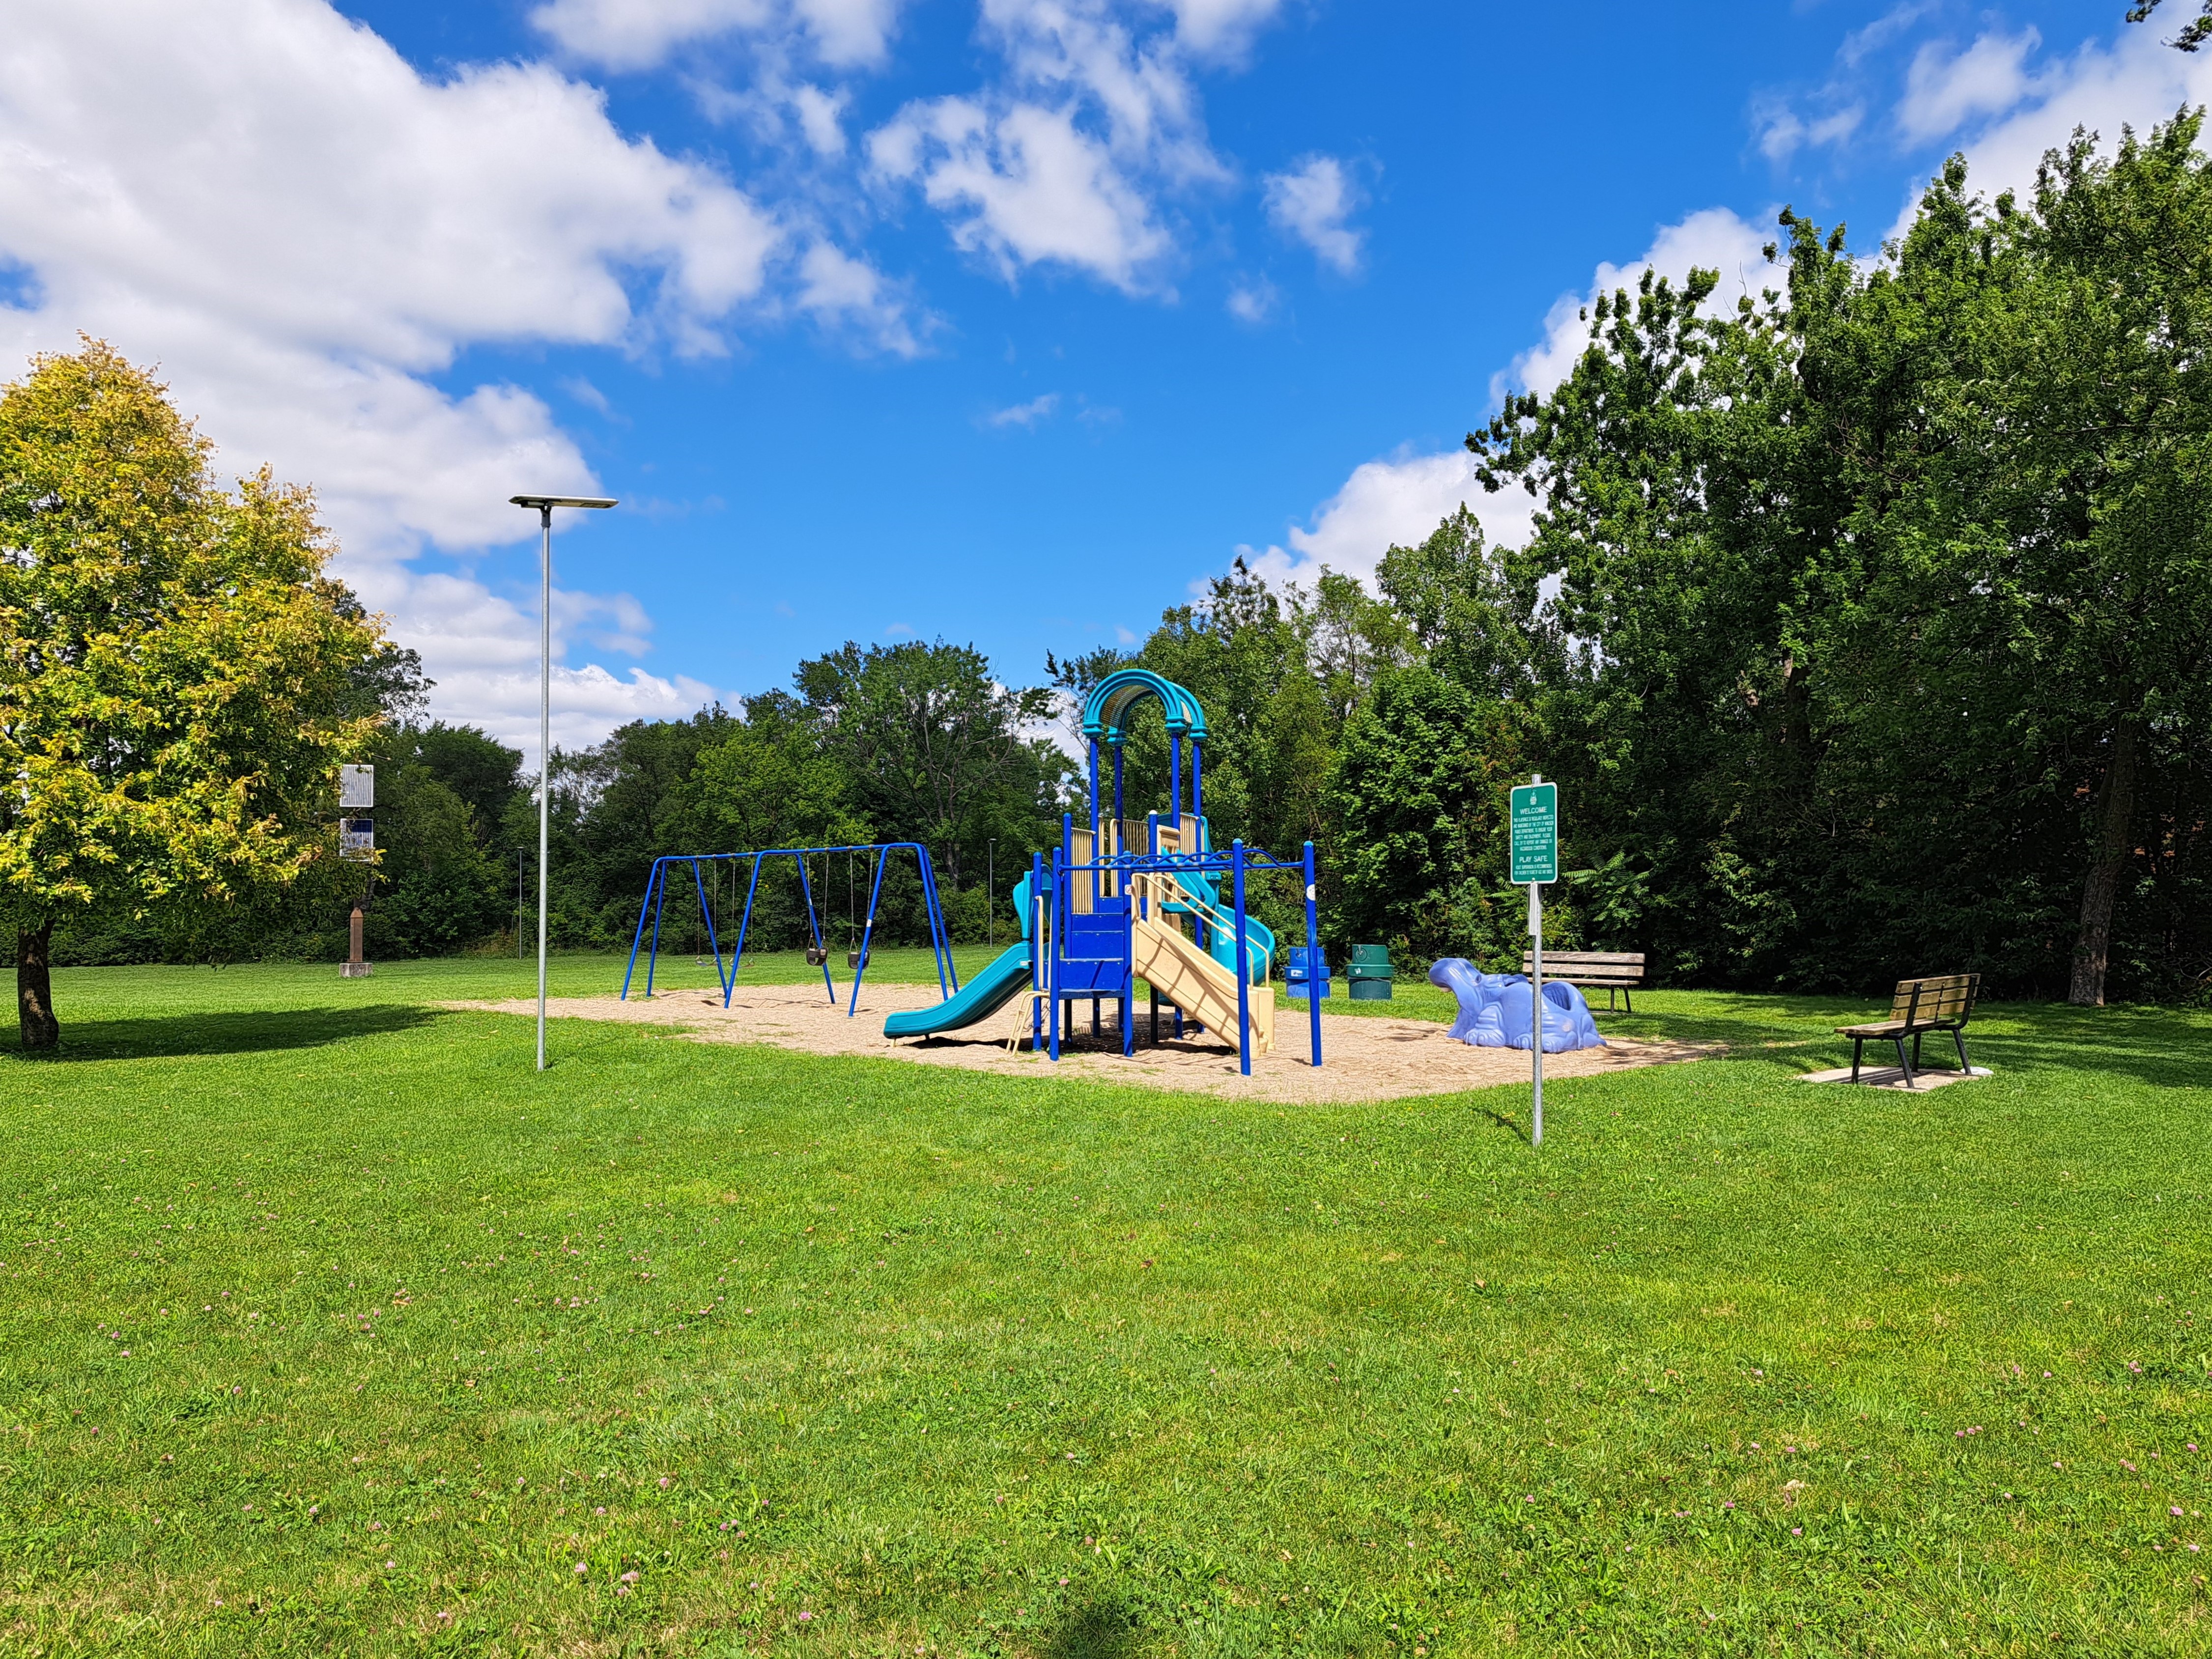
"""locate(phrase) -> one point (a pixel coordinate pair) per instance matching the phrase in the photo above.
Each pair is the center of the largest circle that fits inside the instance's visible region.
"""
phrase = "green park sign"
(1533, 816)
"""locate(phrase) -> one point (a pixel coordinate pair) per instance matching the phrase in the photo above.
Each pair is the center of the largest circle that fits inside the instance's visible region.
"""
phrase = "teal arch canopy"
(1106, 710)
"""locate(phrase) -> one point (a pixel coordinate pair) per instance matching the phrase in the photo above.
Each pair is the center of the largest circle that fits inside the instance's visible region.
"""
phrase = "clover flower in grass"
(803, 1617)
(581, 1569)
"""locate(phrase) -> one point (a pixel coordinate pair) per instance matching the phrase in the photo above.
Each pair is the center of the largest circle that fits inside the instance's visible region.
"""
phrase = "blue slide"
(979, 999)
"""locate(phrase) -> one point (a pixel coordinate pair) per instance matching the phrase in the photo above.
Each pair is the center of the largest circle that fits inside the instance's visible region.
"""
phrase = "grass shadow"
(1101, 1629)
(178, 1036)
(2162, 1047)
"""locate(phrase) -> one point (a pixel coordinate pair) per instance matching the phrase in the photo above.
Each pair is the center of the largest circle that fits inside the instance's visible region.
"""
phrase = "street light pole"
(545, 504)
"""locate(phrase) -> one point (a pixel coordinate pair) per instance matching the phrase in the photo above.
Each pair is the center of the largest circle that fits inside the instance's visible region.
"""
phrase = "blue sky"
(1002, 323)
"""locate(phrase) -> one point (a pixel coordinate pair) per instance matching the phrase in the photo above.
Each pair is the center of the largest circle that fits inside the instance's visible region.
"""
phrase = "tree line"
(1866, 626)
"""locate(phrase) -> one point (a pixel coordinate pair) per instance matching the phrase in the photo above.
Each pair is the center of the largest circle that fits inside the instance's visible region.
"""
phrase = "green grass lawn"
(327, 1326)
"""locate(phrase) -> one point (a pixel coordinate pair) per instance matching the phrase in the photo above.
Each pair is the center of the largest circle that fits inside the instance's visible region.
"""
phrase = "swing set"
(817, 954)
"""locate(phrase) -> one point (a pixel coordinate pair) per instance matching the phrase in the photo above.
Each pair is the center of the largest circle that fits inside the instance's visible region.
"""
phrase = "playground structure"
(1128, 899)
(1124, 899)
(656, 899)
(1499, 1010)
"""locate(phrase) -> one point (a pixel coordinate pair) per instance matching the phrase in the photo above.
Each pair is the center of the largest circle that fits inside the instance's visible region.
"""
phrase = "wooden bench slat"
(1627, 958)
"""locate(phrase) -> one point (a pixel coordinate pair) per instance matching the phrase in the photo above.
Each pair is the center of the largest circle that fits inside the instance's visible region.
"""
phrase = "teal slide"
(981, 997)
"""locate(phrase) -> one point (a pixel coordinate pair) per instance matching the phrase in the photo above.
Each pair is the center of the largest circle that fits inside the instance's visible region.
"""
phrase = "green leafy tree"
(2194, 34)
(1888, 604)
(1419, 797)
(933, 749)
(179, 679)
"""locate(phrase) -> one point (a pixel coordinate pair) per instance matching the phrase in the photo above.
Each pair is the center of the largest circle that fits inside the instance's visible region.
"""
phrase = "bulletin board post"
(357, 845)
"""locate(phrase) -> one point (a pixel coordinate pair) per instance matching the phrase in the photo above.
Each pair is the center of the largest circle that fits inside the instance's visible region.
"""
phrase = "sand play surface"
(1362, 1057)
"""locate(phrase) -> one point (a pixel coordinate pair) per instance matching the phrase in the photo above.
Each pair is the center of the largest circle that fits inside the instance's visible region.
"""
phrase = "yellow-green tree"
(179, 679)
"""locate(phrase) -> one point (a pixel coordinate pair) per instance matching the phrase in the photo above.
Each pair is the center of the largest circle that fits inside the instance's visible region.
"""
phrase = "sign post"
(356, 844)
(1533, 846)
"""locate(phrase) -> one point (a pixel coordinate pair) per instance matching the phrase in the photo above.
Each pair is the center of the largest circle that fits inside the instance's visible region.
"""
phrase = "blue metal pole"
(1117, 783)
(1175, 781)
(637, 938)
(938, 944)
(1197, 779)
(868, 932)
(1315, 966)
(660, 897)
(1243, 966)
(814, 929)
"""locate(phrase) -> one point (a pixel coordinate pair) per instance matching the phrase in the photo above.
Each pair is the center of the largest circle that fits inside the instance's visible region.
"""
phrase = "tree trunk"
(34, 988)
(2116, 805)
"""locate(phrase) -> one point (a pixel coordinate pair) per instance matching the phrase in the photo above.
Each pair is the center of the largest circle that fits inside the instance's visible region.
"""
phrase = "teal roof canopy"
(1106, 710)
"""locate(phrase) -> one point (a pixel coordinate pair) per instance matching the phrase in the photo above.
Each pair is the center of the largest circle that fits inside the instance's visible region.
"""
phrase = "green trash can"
(1369, 970)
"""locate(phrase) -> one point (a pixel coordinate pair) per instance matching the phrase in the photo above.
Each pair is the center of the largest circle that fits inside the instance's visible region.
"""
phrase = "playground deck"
(1364, 1058)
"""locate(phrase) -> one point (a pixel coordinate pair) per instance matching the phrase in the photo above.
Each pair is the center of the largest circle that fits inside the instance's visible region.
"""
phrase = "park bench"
(1920, 1006)
(1610, 971)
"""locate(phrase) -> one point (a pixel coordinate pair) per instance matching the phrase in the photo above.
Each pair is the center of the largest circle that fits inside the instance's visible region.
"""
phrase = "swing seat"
(816, 956)
(853, 959)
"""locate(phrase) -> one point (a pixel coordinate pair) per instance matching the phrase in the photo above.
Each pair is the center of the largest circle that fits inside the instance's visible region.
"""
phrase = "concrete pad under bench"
(1893, 1077)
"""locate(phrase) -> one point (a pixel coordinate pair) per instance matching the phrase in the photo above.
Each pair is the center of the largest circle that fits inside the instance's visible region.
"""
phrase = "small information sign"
(1532, 816)
(356, 787)
(357, 840)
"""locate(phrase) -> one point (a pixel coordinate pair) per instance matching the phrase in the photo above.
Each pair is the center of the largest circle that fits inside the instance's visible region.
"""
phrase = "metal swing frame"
(656, 899)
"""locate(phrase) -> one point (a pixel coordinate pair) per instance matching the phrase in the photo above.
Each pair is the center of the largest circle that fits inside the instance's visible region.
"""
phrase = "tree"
(179, 679)
(1418, 796)
(1891, 606)
(2194, 34)
(933, 749)
(448, 875)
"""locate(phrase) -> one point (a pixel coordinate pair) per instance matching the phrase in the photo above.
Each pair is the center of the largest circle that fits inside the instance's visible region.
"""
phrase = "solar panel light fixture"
(545, 504)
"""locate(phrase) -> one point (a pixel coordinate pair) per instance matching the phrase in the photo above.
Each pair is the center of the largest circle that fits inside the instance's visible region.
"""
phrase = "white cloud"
(1311, 203)
(821, 115)
(1782, 132)
(1255, 301)
(1394, 502)
(1220, 28)
(1943, 91)
(636, 35)
(1399, 500)
(2136, 81)
(1060, 162)
(269, 202)
(1712, 238)
(850, 296)
(1024, 187)
(1025, 414)
(1864, 41)
(586, 394)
